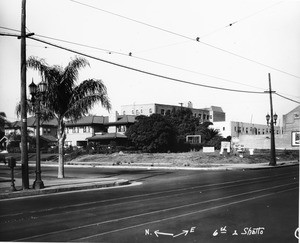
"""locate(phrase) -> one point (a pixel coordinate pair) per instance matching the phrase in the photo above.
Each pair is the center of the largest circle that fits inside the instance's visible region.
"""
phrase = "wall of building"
(80, 133)
(282, 141)
(149, 109)
(236, 129)
(291, 121)
(138, 109)
(218, 116)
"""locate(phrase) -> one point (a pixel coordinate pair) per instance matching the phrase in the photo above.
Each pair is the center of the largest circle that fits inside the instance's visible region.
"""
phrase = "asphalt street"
(163, 206)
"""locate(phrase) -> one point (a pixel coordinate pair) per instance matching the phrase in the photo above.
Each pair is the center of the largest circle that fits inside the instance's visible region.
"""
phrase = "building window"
(150, 111)
(73, 129)
(84, 129)
(68, 143)
(67, 130)
(132, 112)
(223, 128)
(210, 117)
(246, 129)
(141, 111)
(162, 111)
(199, 115)
(204, 116)
(235, 129)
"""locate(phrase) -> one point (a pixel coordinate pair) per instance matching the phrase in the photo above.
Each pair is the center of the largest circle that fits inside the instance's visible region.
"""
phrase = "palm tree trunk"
(61, 142)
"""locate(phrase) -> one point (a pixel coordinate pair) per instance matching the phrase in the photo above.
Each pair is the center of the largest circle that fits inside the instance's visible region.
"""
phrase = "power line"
(287, 98)
(146, 72)
(241, 19)
(144, 59)
(143, 71)
(148, 60)
(197, 39)
(211, 76)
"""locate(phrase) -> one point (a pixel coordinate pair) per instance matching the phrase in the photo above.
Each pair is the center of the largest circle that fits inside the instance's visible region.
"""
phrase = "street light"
(37, 93)
(271, 120)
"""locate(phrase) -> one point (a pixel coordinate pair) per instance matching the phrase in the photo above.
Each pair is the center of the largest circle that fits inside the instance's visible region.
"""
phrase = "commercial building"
(257, 136)
(212, 113)
(237, 129)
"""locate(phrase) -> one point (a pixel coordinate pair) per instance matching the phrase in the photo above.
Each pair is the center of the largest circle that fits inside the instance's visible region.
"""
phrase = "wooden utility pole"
(273, 150)
(24, 150)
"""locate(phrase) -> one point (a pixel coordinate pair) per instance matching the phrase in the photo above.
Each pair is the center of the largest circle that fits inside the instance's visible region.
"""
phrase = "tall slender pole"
(38, 183)
(273, 151)
(24, 151)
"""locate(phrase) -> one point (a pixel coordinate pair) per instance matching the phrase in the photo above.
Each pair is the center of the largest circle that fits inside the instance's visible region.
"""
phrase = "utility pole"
(24, 150)
(273, 150)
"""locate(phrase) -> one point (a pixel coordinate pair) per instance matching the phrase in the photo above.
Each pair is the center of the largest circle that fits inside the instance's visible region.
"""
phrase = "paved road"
(169, 206)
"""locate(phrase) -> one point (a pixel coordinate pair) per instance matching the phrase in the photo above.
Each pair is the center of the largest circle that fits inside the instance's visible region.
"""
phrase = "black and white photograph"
(149, 121)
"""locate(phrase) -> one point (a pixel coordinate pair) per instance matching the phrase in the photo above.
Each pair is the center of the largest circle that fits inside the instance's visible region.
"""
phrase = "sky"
(240, 43)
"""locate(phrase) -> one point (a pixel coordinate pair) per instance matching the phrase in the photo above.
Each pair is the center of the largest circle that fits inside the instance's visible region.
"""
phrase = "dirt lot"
(193, 159)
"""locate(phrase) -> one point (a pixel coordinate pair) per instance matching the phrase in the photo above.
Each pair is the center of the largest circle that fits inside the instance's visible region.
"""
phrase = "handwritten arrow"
(184, 232)
(156, 232)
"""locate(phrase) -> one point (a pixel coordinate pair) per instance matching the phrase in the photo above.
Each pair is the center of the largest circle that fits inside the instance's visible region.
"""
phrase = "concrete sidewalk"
(55, 185)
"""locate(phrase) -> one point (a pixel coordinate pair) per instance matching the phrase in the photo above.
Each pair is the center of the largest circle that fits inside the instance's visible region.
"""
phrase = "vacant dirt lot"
(193, 159)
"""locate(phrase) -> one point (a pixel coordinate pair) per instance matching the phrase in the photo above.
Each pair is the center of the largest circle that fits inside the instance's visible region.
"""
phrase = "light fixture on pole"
(37, 93)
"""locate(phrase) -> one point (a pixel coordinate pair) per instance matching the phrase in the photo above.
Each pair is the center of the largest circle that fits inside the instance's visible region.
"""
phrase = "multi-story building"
(236, 129)
(77, 132)
(291, 120)
(212, 114)
(291, 126)
(48, 132)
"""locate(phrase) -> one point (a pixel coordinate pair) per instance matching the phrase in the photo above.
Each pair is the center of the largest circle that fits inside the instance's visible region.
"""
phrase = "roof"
(31, 122)
(106, 136)
(123, 120)
(215, 108)
(48, 138)
(89, 120)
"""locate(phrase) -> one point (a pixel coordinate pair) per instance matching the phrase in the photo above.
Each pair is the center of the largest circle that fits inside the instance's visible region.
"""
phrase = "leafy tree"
(65, 99)
(3, 121)
(152, 134)
(184, 121)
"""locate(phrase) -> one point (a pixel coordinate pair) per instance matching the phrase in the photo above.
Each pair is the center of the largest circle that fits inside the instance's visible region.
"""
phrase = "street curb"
(217, 167)
(57, 189)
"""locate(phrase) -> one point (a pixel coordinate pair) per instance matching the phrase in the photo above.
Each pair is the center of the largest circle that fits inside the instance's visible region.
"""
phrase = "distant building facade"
(257, 136)
(291, 120)
(205, 114)
(236, 129)
(77, 132)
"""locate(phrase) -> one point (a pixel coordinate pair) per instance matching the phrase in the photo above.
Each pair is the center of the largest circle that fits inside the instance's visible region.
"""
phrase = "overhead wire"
(144, 59)
(241, 19)
(197, 39)
(143, 71)
(287, 98)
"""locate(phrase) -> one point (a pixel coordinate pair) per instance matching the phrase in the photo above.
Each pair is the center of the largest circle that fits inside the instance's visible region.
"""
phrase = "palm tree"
(64, 99)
